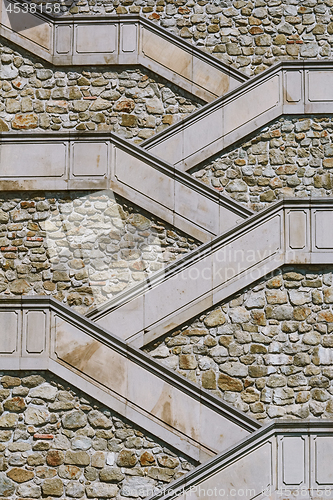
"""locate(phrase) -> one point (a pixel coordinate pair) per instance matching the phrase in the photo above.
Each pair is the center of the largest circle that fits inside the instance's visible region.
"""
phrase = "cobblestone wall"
(250, 35)
(81, 248)
(57, 442)
(133, 103)
(268, 351)
(292, 157)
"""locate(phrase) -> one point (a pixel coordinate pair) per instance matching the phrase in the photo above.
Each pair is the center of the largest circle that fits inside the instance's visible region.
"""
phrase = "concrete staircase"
(100, 353)
(122, 40)
(277, 236)
(77, 161)
(283, 460)
(288, 88)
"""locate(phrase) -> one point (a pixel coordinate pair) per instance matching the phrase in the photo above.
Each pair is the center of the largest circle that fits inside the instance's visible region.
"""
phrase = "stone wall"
(81, 248)
(133, 103)
(56, 442)
(292, 157)
(268, 351)
(250, 35)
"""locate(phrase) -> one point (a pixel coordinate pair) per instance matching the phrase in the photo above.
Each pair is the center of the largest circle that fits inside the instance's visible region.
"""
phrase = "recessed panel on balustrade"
(9, 334)
(64, 39)
(323, 234)
(129, 37)
(320, 85)
(323, 469)
(35, 324)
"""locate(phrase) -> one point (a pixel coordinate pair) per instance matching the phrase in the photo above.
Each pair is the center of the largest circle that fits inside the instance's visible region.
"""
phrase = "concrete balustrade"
(42, 334)
(119, 40)
(289, 88)
(104, 161)
(289, 232)
(286, 459)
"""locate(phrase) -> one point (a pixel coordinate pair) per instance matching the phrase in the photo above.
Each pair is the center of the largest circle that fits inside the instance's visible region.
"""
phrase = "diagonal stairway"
(288, 88)
(285, 459)
(279, 235)
(85, 161)
(122, 40)
(42, 334)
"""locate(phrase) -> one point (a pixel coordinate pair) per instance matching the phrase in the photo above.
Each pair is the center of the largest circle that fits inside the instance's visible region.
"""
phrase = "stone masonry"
(81, 248)
(132, 102)
(56, 442)
(268, 350)
(292, 157)
(250, 35)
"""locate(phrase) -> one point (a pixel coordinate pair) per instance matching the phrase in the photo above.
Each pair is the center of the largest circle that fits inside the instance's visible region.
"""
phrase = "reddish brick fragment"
(43, 436)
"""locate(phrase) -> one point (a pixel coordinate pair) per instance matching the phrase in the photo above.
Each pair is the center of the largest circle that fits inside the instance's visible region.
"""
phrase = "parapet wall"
(249, 35)
(55, 441)
(268, 350)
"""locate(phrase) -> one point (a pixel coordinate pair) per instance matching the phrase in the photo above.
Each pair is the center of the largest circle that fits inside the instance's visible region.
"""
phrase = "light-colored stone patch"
(293, 157)
(250, 35)
(81, 248)
(131, 102)
(80, 449)
(268, 351)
